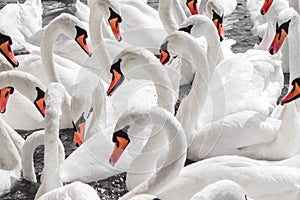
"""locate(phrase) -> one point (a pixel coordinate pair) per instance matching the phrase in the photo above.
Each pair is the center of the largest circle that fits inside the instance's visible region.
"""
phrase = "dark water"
(114, 187)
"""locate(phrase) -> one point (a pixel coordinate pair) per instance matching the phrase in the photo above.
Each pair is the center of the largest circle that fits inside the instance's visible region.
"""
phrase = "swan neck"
(294, 52)
(166, 15)
(47, 45)
(95, 24)
(214, 50)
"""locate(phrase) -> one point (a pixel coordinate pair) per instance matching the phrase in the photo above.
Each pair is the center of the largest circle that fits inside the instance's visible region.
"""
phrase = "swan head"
(130, 59)
(117, 77)
(215, 11)
(4, 96)
(199, 25)
(72, 27)
(293, 94)
(6, 50)
(111, 12)
(120, 140)
(286, 19)
(193, 6)
(79, 128)
(265, 7)
(134, 117)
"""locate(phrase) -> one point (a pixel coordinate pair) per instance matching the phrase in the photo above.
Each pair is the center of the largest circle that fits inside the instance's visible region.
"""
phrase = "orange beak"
(220, 28)
(81, 40)
(118, 150)
(277, 41)
(5, 49)
(192, 5)
(115, 27)
(4, 96)
(79, 129)
(292, 95)
(267, 4)
(116, 81)
(164, 56)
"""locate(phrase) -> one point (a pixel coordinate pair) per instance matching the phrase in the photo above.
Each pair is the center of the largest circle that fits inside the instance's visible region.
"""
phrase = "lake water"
(114, 187)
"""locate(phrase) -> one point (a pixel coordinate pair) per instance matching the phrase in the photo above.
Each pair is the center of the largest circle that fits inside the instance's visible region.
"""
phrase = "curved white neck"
(192, 106)
(167, 9)
(47, 45)
(51, 173)
(174, 160)
(95, 25)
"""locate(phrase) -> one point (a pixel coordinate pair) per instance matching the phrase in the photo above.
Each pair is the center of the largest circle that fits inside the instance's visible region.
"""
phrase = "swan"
(64, 70)
(175, 182)
(213, 132)
(287, 29)
(20, 21)
(54, 98)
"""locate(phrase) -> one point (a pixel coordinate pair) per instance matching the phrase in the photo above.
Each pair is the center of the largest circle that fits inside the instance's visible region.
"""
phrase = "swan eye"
(187, 29)
(120, 138)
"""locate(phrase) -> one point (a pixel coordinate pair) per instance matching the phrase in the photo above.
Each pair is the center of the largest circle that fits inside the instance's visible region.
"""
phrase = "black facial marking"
(194, 4)
(121, 133)
(186, 29)
(284, 26)
(40, 95)
(217, 16)
(113, 15)
(5, 38)
(80, 32)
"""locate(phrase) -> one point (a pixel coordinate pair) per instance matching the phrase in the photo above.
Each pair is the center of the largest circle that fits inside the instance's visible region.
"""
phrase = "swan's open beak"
(293, 94)
(192, 5)
(267, 4)
(81, 40)
(121, 140)
(5, 49)
(281, 34)
(40, 101)
(114, 22)
(4, 96)
(79, 128)
(218, 21)
(117, 78)
(164, 56)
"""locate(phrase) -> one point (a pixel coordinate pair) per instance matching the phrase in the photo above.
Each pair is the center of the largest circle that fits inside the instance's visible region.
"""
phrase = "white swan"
(214, 131)
(287, 28)
(54, 98)
(42, 65)
(20, 21)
